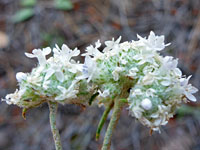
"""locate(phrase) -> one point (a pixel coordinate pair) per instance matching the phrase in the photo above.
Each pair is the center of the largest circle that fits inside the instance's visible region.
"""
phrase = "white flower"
(112, 45)
(35, 77)
(40, 55)
(177, 72)
(14, 98)
(65, 54)
(104, 94)
(150, 92)
(133, 72)
(54, 69)
(148, 79)
(169, 63)
(123, 61)
(144, 57)
(154, 42)
(136, 111)
(136, 92)
(184, 81)
(125, 46)
(46, 84)
(148, 68)
(88, 69)
(93, 51)
(74, 68)
(20, 76)
(67, 93)
(116, 72)
(188, 89)
(146, 104)
(166, 82)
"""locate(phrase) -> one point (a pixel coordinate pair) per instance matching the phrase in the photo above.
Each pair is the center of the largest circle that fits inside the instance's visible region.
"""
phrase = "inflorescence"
(152, 84)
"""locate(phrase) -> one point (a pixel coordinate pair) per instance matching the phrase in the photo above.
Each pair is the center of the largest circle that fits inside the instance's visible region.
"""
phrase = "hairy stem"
(113, 122)
(52, 117)
(103, 119)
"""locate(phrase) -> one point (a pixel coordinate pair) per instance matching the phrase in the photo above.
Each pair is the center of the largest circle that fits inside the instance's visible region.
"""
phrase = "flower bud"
(146, 104)
(21, 76)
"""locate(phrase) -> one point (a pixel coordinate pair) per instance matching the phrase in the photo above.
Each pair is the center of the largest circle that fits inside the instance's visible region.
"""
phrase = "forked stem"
(118, 104)
(52, 117)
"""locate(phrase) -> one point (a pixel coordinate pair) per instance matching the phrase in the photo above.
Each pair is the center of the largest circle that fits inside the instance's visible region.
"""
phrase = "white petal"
(73, 70)
(148, 79)
(30, 55)
(46, 51)
(188, 78)
(55, 51)
(184, 81)
(138, 92)
(155, 115)
(62, 89)
(192, 89)
(119, 39)
(104, 94)
(79, 67)
(37, 52)
(166, 83)
(190, 96)
(115, 75)
(57, 47)
(88, 61)
(81, 77)
(142, 62)
(97, 44)
(164, 123)
(60, 76)
(21, 76)
(160, 40)
(90, 77)
(178, 72)
(157, 122)
(49, 73)
(167, 44)
(65, 48)
(75, 52)
(139, 37)
(152, 38)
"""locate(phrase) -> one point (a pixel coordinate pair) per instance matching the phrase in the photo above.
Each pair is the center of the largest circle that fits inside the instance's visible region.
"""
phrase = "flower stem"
(103, 119)
(113, 122)
(52, 117)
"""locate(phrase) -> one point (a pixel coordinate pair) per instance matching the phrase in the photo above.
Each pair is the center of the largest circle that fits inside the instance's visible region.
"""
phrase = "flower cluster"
(152, 84)
(54, 79)
(160, 86)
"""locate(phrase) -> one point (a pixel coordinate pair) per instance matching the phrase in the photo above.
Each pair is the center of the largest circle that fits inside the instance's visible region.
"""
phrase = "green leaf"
(63, 4)
(23, 15)
(28, 3)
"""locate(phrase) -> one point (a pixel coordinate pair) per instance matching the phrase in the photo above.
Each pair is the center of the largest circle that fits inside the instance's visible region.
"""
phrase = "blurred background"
(29, 24)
